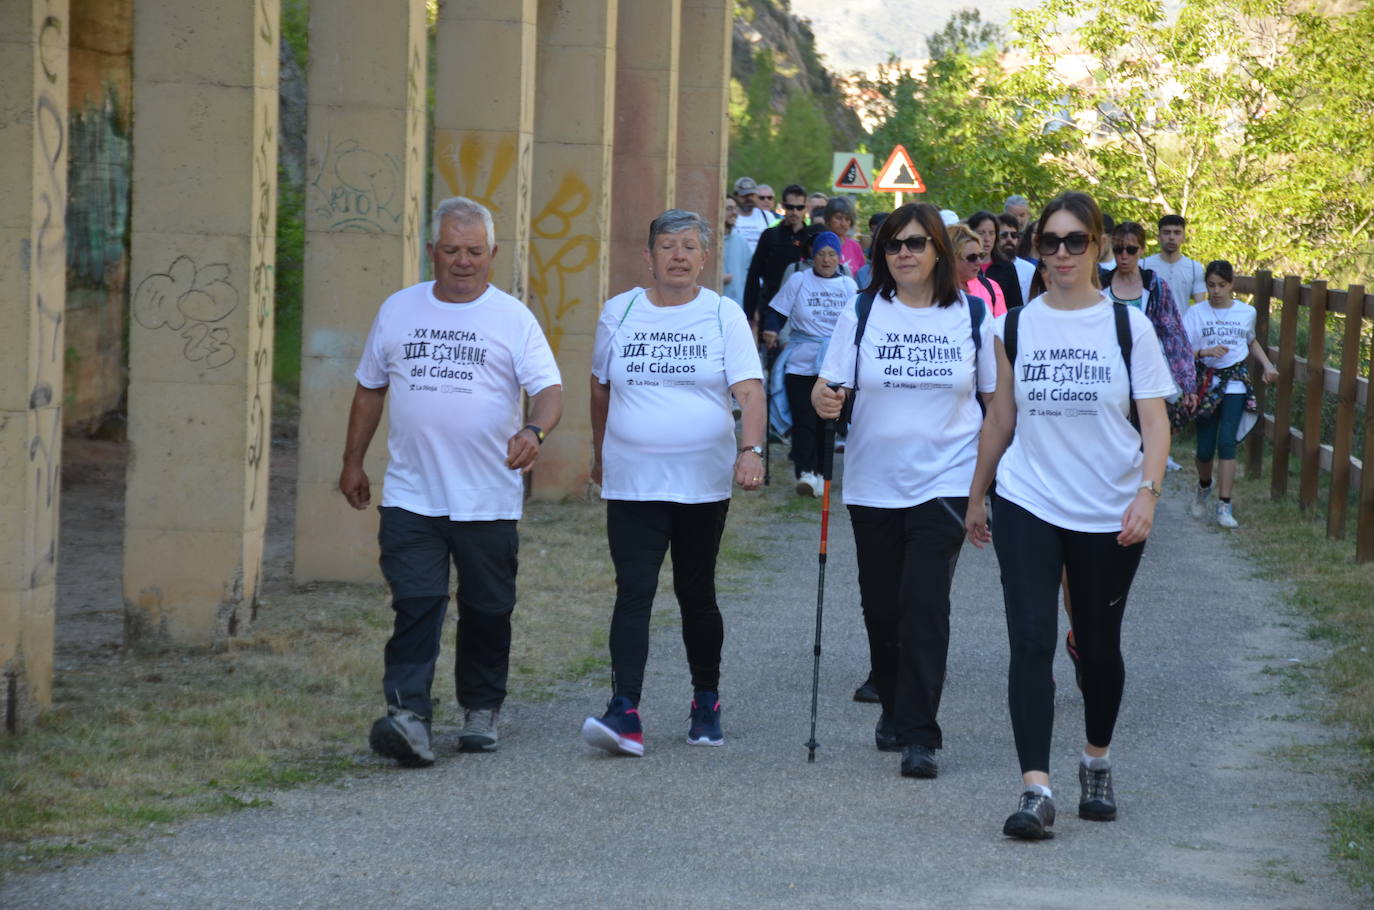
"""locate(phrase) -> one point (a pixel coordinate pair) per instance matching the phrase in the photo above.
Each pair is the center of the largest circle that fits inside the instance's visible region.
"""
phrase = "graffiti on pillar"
(357, 189)
(43, 459)
(481, 168)
(49, 244)
(98, 203)
(415, 119)
(560, 251)
(263, 289)
(190, 300)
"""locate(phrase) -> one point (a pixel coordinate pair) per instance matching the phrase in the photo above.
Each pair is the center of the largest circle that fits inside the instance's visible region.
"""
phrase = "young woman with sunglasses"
(909, 458)
(1075, 491)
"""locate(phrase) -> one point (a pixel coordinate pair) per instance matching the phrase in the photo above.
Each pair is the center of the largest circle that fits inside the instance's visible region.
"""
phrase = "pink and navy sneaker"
(618, 731)
(705, 729)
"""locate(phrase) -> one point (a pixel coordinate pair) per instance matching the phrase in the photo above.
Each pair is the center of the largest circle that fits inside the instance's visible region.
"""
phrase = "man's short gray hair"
(839, 205)
(465, 211)
(1018, 199)
(675, 220)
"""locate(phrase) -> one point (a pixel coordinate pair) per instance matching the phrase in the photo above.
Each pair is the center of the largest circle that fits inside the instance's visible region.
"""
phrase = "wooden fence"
(1352, 398)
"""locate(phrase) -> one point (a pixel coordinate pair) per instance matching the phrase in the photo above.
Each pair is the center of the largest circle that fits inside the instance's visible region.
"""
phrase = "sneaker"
(817, 484)
(1172, 465)
(479, 730)
(404, 736)
(804, 487)
(705, 728)
(618, 731)
(867, 692)
(1032, 820)
(919, 761)
(1224, 516)
(1097, 801)
(1071, 649)
(1199, 506)
(885, 734)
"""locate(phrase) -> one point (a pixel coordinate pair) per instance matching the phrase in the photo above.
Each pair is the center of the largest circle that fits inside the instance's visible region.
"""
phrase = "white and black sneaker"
(1032, 820)
(1096, 801)
(404, 736)
(479, 730)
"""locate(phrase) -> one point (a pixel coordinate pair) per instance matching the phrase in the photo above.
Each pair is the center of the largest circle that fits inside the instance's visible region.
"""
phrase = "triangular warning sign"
(899, 174)
(852, 177)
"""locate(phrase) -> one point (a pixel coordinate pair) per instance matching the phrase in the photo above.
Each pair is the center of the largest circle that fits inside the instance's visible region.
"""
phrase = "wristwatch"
(757, 450)
(1151, 486)
(538, 433)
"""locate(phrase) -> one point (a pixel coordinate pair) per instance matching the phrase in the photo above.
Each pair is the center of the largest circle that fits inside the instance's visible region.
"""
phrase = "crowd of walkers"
(992, 372)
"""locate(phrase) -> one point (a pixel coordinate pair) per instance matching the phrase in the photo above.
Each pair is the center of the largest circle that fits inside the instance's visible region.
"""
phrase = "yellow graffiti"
(470, 168)
(551, 276)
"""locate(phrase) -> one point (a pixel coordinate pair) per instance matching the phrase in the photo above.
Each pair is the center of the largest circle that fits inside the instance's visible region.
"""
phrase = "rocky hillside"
(771, 25)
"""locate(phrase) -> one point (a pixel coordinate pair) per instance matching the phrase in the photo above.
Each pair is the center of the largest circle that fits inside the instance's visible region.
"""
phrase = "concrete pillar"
(364, 234)
(569, 256)
(484, 120)
(200, 337)
(703, 132)
(644, 173)
(33, 262)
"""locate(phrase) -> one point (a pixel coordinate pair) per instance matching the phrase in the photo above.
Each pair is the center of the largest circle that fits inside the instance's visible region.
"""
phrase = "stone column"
(703, 132)
(200, 336)
(484, 120)
(569, 256)
(365, 231)
(33, 263)
(646, 94)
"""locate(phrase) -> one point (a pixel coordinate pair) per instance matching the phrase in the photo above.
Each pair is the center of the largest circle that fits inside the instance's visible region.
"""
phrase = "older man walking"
(454, 354)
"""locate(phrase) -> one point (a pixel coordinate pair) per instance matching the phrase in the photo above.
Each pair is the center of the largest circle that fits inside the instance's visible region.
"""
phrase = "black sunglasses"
(761, 196)
(794, 208)
(972, 258)
(916, 244)
(1076, 243)
(1130, 250)
(1008, 235)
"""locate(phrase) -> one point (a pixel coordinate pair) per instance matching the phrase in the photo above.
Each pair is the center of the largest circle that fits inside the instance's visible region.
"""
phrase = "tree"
(792, 148)
(964, 33)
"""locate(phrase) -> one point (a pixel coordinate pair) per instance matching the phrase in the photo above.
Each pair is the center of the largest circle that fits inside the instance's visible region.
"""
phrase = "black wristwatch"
(538, 433)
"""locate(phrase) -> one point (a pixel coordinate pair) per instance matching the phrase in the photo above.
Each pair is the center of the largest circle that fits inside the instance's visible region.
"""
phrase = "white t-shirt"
(1025, 271)
(1234, 327)
(1185, 278)
(1075, 458)
(811, 304)
(914, 431)
(454, 372)
(752, 225)
(670, 435)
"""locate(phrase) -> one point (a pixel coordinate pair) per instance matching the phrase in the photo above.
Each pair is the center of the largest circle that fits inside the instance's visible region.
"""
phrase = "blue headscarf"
(825, 239)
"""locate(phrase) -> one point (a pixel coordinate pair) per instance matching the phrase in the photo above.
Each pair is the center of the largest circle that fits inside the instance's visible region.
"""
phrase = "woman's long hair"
(946, 285)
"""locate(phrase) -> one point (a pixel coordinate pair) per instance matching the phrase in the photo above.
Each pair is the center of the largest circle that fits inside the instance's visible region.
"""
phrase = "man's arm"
(546, 409)
(601, 406)
(363, 416)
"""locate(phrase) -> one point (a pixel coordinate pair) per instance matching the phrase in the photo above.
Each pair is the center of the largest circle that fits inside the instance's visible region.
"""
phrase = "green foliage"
(964, 33)
(777, 150)
(290, 285)
(295, 29)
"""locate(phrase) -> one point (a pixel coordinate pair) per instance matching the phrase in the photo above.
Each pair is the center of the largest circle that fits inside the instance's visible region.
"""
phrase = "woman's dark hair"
(1130, 229)
(978, 218)
(928, 217)
(1084, 208)
(1222, 269)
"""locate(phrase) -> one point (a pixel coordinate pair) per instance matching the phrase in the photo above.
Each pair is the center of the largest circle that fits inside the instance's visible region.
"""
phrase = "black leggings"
(1033, 554)
(640, 534)
(808, 430)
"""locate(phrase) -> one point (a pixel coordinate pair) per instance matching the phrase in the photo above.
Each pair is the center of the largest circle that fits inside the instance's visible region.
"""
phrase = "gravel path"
(1208, 818)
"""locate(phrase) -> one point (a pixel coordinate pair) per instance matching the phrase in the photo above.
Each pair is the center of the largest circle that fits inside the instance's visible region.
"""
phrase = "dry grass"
(135, 744)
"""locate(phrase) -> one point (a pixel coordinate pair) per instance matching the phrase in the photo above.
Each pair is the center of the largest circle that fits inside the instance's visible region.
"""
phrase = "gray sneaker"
(1199, 506)
(1032, 820)
(1224, 516)
(479, 730)
(1097, 801)
(404, 736)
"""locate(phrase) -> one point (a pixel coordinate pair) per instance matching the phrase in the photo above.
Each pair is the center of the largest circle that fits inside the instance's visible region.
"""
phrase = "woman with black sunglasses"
(1076, 490)
(913, 441)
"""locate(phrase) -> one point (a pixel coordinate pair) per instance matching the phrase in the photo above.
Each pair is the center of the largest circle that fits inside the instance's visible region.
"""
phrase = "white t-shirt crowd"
(811, 304)
(1233, 326)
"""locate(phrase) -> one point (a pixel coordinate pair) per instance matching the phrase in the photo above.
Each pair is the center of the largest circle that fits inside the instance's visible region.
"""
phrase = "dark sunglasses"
(794, 208)
(1076, 243)
(1008, 235)
(916, 244)
(1128, 250)
(769, 198)
(972, 258)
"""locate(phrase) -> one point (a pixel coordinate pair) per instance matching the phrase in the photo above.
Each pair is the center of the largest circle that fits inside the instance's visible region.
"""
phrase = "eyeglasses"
(972, 258)
(1008, 235)
(1130, 250)
(793, 208)
(765, 198)
(1076, 243)
(916, 244)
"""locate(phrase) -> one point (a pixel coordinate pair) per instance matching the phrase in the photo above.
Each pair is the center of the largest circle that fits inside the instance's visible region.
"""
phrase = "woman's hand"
(770, 340)
(749, 470)
(976, 523)
(595, 473)
(828, 402)
(1138, 519)
(1271, 374)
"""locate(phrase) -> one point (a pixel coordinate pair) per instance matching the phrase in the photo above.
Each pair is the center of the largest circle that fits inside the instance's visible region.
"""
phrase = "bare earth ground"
(1222, 770)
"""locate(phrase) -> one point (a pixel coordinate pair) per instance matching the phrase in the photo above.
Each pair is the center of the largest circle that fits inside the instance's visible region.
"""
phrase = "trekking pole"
(827, 469)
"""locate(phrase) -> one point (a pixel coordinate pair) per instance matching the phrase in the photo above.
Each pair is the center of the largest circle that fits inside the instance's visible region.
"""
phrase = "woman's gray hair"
(839, 205)
(675, 220)
(465, 211)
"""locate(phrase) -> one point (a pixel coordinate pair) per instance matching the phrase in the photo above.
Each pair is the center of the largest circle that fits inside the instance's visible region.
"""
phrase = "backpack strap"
(1009, 335)
(625, 315)
(977, 309)
(1124, 341)
(863, 305)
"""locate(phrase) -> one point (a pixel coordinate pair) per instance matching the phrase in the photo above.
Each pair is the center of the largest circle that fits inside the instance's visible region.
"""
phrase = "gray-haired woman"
(667, 360)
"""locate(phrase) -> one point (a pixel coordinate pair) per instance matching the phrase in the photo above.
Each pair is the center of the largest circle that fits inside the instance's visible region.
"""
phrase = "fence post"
(1364, 522)
(1264, 290)
(1283, 405)
(1345, 413)
(1312, 399)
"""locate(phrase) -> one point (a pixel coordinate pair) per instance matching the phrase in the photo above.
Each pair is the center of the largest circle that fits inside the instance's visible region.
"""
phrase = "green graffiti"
(98, 176)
